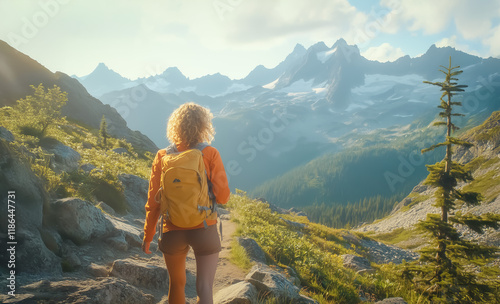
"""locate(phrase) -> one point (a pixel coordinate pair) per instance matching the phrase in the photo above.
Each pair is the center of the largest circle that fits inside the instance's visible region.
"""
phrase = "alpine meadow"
(363, 169)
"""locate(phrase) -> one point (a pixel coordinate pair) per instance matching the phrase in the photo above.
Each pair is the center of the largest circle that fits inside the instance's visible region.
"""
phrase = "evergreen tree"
(441, 268)
(103, 132)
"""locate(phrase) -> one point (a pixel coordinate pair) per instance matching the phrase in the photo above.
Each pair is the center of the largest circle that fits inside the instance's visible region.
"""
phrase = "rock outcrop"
(271, 283)
(63, 158)
(79, 220)
(239, 293)
(356, 263)
(6, 134)
(253, 250)
(141, 274)
(98, 291)
(135, 192)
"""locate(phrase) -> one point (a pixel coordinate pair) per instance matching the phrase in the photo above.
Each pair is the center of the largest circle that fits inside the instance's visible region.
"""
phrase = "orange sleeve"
(217, 174)
(152, 207)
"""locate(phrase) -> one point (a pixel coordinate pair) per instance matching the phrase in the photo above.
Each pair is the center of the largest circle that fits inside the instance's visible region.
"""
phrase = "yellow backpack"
(185, 193)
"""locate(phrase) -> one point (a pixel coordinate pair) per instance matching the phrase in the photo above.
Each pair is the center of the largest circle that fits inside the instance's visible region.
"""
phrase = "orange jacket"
(216, 174)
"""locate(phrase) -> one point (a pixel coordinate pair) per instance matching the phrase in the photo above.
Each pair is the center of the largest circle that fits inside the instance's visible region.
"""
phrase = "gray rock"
(271, 283)
(133, 233)
(392, 301)
(97, 270)
(253, 250)
(69, 255)
(29, 193)
(139, 273)
(239, 293)
(106, 208)
(135, 192)
(118, 242)
(98, 291)
(381, 253)
(65, 158)
(357, 263)
(79, 220)
(6, 134)
(296, 225)
(87, 168)
(52, 240)
(33, 255)
(297, 212)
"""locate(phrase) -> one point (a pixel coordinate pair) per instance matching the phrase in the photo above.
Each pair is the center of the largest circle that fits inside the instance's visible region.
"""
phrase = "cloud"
(493, 41)
(473, 19)
(267, 21)
(384, 52)
(452, 41)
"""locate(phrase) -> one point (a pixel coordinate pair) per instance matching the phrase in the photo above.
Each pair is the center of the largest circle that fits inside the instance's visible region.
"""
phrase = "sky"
(231, 37)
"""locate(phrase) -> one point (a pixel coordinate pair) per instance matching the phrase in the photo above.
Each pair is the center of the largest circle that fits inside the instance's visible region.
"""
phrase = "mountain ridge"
(18, 71)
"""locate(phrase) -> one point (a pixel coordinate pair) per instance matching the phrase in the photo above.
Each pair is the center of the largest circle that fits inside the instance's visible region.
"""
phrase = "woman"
(188, 126)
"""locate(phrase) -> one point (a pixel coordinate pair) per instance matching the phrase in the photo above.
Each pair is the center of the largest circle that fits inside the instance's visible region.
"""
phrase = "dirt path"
(227, 273)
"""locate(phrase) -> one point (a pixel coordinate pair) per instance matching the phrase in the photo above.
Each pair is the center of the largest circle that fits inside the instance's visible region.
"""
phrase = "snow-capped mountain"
(317, 100)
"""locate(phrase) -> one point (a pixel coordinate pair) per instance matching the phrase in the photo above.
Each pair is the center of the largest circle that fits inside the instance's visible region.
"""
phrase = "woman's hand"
(145, 247)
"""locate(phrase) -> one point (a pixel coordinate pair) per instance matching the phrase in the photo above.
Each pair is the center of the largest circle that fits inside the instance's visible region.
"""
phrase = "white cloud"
(473, 19)
(384, 52)
(493, 41)
(452, 41)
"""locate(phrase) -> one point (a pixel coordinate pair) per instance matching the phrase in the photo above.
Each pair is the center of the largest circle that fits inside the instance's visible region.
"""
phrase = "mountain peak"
(299, 48)
(102, 67)
(319, 46)
(339, 42)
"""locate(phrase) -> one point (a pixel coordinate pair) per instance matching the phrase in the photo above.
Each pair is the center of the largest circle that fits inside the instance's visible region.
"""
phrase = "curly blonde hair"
(190, 124)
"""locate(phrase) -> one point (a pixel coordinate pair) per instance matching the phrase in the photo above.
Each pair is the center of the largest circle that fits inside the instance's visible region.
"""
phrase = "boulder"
(132, 232)
(239, 293)
(118, 242)
(64, 158)
(253, 250)
(356, 263)
(392, 301)
(106, 208)
(98, 291)
(29, 193)
(6, 134)
(135, 192)
(97, 270)
(140, 273)
(271, 283)
(294, 224)
(87, 168)
(69, 254)
(33, 256)
(79, 220)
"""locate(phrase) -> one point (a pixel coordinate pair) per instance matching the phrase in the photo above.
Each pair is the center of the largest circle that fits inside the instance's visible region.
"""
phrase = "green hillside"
(100, 183)
(388, 169)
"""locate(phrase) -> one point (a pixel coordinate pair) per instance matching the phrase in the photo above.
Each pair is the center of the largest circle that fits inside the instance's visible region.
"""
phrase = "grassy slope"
(314, 252)
(101, 184)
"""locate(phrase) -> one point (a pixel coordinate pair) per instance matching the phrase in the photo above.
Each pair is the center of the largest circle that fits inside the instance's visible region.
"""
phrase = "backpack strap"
(171, 149)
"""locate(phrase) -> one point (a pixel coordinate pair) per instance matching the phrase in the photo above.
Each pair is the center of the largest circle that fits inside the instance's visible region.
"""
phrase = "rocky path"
(227, 273)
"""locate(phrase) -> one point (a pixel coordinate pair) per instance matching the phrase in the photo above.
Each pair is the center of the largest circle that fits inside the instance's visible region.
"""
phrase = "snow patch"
(324, 56)
(271, 85)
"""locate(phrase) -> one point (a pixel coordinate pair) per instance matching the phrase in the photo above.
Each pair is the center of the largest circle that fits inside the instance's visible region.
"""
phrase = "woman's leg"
(206, 265)
(176, 266)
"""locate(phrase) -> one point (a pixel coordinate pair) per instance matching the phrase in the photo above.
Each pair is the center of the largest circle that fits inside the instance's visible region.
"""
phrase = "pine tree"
(441, 267)
(103, 132)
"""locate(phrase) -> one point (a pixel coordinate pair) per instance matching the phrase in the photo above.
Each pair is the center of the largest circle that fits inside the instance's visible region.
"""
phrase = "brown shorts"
(203, 241)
